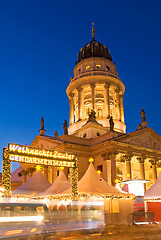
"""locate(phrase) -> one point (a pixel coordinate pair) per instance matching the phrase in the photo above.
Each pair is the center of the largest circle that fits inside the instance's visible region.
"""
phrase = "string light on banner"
(25, 150)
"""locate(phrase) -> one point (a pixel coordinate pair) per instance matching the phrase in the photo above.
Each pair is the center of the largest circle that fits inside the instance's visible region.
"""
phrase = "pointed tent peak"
(61, 177)
(154, 192)
(93, 31)
(36, 184)
(37, 177)
(92, 182)
(60, 185)
(15, 177)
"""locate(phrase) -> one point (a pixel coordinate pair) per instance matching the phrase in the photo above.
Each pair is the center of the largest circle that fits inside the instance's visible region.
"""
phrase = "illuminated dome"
(94, 49)
(95, 88)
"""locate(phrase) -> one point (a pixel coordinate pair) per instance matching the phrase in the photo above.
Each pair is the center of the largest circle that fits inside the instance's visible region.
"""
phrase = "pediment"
(45, 143)
(143, 138)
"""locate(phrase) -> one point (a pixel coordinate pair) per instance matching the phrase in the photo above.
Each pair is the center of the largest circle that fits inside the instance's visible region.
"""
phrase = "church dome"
(94, 49)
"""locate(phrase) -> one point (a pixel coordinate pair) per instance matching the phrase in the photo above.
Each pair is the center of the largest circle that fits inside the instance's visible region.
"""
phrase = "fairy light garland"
(6, 175)
(74, 177)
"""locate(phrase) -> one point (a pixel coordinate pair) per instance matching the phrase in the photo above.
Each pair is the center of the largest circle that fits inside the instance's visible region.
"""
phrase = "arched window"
(99, 112)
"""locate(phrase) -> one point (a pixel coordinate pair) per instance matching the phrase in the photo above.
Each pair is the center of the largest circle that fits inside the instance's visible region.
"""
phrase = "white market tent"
(14, 175)
(35, 185)
(119, 188)
(60, 185)
(92, 183)
(155, 191)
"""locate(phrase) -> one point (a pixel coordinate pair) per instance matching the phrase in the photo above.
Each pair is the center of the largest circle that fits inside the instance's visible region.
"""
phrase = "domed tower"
(95, 86)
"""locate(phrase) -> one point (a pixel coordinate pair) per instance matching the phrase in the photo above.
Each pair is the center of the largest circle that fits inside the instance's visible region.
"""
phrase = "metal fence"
(141, 217)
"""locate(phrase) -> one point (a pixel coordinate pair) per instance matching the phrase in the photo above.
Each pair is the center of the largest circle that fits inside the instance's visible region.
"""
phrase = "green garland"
(74, 177)
(6, 174)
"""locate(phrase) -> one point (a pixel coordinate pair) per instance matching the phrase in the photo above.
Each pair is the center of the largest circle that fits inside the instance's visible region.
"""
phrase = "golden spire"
(93, 32)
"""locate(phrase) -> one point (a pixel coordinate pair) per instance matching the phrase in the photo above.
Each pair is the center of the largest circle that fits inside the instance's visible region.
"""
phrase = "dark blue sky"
(39, 43)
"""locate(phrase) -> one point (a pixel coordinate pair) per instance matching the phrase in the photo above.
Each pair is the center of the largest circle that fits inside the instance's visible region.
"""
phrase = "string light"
(38, 167)
(91, 159)
(116, 181)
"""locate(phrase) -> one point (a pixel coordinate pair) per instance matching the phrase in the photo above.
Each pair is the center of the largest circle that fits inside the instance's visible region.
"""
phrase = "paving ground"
(134, 232)
(110, 232)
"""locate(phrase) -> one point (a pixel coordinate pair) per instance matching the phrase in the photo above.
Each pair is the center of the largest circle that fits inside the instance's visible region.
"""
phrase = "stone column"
(121, 108)
(112, 156)
(24, 174)
(142, 171)
(154, 170)
(50, 174)
(79, 103)
(107, 168)
(118, 103)
(71, 101)
(107, 86)
(54, 177)
(127, 159)
(92, 85)
(46, 172)
(30, 172)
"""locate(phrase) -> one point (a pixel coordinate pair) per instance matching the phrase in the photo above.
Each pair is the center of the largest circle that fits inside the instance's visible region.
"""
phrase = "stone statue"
(143, 115)
(55, 134)
(42, 123)
(139, 127)
(92, 114)
(65, 127)
(111, 123)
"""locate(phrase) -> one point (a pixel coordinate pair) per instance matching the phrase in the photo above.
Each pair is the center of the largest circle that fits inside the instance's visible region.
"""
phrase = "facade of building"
(96, 124)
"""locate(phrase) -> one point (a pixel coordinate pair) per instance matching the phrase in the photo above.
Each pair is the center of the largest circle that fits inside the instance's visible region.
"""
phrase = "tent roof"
(92, 183)
(36, 184)
(14, 175)
(60, 185)
(155, 191)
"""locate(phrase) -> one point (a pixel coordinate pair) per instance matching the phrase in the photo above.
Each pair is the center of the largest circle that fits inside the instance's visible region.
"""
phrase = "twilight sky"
(39, 43)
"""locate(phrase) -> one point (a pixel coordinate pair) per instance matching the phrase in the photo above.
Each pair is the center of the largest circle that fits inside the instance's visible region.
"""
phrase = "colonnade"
(49, 172)
(77, 98)
(111, 162)
(28, 172)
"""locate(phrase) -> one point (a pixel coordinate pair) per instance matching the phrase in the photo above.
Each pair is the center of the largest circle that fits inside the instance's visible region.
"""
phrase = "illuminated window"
(98, 66)
(100, 167)
(84, 135)
(87, 67)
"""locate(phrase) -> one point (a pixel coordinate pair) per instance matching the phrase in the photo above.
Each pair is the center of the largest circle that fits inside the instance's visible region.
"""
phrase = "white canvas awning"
(35, 185)
(14, 175)
(92, 183)
(60, 185)
(155, 191)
